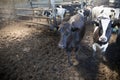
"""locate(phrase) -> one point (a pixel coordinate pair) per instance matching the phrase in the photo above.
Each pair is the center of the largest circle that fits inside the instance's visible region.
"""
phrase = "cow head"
(104, 23)
(65, 32)
(109, 12)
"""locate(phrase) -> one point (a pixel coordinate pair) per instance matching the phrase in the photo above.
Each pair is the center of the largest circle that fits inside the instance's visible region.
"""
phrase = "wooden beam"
(32, 22)
(41, 23)
(34, 9)
(43, 17)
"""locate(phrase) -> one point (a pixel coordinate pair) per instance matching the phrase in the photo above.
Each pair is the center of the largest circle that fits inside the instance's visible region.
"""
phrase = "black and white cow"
(62, 10)
(42, 12)
(59, 11)
(103, 18)
(102, 33)
(86, 12)
(72, 33)
(47, 13)
(72, 8)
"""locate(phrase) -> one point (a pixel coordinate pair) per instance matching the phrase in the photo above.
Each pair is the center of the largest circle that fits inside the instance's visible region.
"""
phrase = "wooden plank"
(41, 23)
(24, 15)
(36, 3)
(34, 9)
(32, 22)
(33, 16)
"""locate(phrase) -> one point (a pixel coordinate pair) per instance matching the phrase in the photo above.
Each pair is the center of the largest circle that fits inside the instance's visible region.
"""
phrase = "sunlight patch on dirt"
(16, 32)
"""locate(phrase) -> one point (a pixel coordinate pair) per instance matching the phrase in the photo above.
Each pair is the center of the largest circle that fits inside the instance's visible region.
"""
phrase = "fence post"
(54, 14)
(13, 9)
(31, 6)
(49, 3)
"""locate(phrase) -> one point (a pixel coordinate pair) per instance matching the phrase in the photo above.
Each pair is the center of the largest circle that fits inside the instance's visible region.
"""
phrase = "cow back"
(77, 21)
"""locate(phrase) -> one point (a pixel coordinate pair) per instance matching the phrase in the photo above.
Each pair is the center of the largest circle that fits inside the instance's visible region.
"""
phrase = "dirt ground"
(32, 53)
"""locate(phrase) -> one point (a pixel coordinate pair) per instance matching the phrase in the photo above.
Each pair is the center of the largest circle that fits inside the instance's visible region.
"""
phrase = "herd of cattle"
(105, 19)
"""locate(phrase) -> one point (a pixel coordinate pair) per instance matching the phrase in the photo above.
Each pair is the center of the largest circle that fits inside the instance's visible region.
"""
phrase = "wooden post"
(31, 5)
(53, 7)
(54, 14)
(92, 3)
(14, 11)
(81, 4)
(49, 3)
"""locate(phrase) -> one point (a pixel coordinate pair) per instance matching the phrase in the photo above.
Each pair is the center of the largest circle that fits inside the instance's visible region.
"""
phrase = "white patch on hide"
(102, 48)
(105, 23)
(95, 29)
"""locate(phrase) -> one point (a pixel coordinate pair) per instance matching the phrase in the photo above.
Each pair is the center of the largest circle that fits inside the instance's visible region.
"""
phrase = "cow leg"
(69, 58)
(77, 56)
(77, 52)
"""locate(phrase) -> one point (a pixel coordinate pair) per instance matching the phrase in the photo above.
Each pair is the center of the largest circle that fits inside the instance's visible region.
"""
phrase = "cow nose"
(103, 39)
(61, 46)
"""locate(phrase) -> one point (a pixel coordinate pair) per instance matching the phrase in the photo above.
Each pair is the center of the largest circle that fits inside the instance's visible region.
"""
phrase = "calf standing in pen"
(104, 21)
(72, 33)
(102, 34)
(59, 11)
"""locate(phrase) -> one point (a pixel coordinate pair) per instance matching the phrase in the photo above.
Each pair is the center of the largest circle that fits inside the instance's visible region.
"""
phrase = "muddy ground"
(32, 53)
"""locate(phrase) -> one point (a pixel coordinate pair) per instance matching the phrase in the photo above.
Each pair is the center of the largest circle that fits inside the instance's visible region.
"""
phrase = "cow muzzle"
(103, 39)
